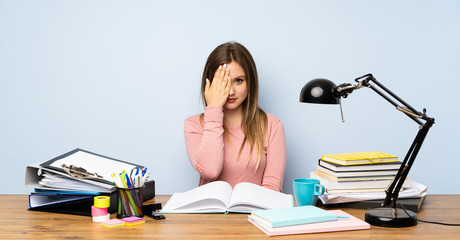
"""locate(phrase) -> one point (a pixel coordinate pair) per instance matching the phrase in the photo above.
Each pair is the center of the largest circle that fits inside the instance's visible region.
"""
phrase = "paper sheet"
(94, 164)
(415, 191)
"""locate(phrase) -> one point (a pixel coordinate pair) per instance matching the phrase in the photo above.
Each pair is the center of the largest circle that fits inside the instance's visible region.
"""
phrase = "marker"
(128, 181)
(123, 180)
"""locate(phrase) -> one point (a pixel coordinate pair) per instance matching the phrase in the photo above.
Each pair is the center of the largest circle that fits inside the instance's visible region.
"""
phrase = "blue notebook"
(292, 216)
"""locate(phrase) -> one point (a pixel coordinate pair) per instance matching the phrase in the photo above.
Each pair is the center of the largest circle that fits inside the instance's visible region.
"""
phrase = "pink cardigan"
(214, 158)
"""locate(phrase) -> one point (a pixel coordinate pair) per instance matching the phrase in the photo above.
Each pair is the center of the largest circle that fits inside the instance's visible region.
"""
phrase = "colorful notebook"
(292, 216)
(345, 222)
(360, 158)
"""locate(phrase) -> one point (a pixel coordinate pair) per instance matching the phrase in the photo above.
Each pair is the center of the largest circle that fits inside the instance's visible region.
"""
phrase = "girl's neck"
(233, 116)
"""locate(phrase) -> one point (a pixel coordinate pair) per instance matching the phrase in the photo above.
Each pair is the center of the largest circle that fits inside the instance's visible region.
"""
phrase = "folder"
(81, 204)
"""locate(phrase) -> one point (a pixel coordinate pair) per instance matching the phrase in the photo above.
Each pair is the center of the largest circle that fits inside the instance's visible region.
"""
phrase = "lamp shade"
(319, 90)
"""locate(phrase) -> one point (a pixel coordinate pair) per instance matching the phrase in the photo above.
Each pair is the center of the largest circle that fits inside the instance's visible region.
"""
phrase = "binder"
(82, 206)
(91, 162)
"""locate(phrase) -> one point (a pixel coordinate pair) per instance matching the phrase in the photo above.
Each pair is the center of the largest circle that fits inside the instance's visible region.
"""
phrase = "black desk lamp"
(326, 92)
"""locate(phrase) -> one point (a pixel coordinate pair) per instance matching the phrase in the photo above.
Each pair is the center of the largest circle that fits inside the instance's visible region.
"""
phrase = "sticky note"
(113, 223)
(130, 221)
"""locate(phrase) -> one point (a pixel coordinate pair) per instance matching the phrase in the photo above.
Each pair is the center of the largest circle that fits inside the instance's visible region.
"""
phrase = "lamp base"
(391, 217)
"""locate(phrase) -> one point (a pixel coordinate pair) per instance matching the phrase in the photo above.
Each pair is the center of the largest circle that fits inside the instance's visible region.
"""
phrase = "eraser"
(113, 223)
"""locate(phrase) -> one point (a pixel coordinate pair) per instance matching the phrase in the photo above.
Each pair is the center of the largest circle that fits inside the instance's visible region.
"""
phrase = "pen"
(128, 181)
(127, 184)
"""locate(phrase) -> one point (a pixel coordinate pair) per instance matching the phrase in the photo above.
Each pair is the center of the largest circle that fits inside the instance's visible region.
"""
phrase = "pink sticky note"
(113, 223)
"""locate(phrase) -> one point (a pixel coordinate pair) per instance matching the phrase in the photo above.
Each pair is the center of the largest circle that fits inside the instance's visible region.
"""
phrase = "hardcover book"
(358, 173)
(360, 158)
(355, 178)
(330, 184)
(345, 222)
(363, 167)
(292, 216)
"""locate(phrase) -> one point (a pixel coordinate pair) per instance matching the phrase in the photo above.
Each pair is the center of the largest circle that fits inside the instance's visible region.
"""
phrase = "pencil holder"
(129, 202)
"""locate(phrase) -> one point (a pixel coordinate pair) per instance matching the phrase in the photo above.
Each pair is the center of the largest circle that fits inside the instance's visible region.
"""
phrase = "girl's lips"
(231, 100)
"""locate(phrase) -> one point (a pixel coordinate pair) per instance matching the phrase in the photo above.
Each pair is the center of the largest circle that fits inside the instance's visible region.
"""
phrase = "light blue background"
(119, 78)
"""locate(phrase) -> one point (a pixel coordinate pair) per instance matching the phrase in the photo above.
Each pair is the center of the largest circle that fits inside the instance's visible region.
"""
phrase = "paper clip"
(79, 172)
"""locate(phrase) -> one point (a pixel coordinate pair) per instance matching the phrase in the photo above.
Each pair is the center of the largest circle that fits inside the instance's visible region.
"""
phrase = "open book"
(219, 196)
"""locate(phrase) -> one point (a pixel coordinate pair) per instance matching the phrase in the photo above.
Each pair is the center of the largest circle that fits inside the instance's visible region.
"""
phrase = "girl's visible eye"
(239, 80)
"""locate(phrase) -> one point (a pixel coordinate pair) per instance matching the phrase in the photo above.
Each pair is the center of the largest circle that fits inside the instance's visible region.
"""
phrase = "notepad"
(113, 223)
(131, 221)
(345, 222)
(292, 216)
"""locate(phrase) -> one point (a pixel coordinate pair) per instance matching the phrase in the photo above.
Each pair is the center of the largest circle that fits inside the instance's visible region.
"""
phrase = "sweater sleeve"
(276, 158)
(205, 142)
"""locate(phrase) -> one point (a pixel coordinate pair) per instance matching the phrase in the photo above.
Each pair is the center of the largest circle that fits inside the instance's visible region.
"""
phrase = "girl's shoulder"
(194, 118)
(273, 122)
(272, 119)
(194, 121)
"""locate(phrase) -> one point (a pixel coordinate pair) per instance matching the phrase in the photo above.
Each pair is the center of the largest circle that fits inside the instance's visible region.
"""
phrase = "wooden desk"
(18, 223)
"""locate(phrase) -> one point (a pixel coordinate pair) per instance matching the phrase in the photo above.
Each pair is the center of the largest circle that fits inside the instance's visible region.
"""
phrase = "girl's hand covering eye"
(216, 92)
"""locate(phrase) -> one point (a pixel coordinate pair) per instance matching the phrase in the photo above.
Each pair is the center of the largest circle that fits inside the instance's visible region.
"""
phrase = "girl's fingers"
(217, 75)
(226, 79)
(229, 84)
(220, 76)
(223, 74)
(223, 81)
(206, 87)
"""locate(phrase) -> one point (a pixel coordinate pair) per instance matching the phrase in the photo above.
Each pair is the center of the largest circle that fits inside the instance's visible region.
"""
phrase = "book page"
(211, 197)
(247, 197)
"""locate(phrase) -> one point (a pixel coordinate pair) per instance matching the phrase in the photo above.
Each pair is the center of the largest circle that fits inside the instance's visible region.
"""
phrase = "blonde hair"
(254, 119)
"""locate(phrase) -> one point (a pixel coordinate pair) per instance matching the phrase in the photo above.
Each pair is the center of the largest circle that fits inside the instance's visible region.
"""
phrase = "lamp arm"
(392, 192)
(407, 109)
(394, 188)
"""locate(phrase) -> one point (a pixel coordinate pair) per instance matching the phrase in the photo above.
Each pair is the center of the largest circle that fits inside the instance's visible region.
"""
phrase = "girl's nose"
(232, 89)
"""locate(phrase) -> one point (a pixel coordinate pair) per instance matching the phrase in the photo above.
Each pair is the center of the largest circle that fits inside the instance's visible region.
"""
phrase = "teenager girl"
(234, 140)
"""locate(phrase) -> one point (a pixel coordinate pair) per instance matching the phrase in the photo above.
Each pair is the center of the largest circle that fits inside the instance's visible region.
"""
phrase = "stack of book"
(357, 172)
(359, 180)
(305, 219)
